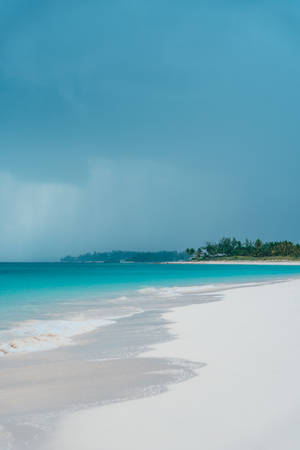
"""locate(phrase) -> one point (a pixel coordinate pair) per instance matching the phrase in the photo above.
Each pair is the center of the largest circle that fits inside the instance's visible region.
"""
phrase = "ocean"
(43, 305)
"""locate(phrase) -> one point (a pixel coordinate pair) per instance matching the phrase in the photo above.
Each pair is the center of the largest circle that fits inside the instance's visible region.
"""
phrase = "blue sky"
(147, 125)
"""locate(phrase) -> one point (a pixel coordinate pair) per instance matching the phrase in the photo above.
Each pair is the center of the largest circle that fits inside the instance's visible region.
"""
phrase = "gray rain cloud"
(146, 125)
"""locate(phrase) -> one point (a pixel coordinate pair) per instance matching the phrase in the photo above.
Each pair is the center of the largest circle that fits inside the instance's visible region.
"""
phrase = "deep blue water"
(31, 290)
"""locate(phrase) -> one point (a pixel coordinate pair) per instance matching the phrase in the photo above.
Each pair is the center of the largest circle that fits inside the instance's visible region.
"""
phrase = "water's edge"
(102, 366)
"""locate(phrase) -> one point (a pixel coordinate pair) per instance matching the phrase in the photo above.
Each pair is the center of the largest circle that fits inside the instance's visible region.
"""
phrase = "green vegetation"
(235, 249)
(226, 248)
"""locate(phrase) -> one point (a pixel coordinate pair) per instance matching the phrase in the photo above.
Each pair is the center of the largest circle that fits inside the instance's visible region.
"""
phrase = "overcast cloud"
(147, 125)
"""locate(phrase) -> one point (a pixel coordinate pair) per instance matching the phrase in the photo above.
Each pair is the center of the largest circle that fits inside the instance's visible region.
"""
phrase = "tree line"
(231, 247)
(225, 247)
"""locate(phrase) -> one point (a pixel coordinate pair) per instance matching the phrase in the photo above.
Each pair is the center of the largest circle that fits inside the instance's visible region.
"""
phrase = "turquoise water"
(35, 290)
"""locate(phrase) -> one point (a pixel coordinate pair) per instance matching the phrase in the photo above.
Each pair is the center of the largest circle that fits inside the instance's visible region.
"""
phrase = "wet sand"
(101, 367)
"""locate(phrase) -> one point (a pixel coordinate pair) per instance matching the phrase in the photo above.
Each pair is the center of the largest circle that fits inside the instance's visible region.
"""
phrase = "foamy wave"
(46, 335)
(175, 291)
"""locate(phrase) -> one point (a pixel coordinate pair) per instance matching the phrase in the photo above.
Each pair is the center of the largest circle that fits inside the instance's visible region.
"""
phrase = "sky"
(147, 125)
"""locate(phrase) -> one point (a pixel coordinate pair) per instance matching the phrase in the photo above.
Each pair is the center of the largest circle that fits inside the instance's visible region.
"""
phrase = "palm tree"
(198, 254)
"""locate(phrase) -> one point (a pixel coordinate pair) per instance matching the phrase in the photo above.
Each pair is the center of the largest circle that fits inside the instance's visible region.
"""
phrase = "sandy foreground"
(247, 395)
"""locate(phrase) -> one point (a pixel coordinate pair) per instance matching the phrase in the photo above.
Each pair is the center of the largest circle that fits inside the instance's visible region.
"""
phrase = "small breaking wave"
(175, 291)
(122, 298)
(46, 335)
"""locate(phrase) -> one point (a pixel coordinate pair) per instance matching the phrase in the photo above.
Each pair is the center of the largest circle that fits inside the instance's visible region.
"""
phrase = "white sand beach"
(240, 262)
(247, 396)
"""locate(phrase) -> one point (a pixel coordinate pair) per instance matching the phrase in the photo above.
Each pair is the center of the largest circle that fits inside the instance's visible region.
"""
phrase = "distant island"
(226, 248)
(127, 257)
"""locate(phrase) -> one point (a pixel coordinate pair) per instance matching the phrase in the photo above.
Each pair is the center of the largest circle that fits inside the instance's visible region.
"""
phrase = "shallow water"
(29, 290)
(44, 305)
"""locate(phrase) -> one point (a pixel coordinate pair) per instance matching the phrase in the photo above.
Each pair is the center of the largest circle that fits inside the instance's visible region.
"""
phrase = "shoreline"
(39, 336)
(102, 367)
(246, 262)
(53, 324)
(247, 390)
(155, 366)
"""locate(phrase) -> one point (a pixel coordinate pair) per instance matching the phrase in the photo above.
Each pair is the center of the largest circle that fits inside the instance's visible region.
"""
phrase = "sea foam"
(175, 291)
(46, 334)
